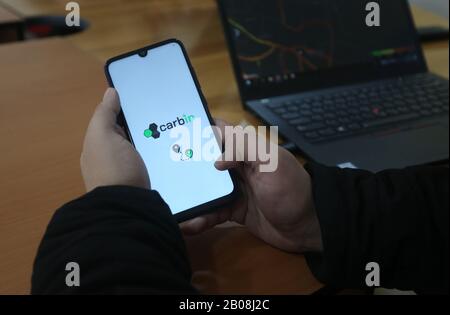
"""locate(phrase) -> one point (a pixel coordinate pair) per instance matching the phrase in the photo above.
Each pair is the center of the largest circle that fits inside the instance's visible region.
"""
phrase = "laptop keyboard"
(347, 113)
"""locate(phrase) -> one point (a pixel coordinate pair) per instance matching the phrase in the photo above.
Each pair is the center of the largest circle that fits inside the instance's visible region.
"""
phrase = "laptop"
(344, 93)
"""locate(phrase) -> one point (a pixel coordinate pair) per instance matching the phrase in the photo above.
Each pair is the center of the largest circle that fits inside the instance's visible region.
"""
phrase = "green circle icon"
(148, 133)
(189, 153)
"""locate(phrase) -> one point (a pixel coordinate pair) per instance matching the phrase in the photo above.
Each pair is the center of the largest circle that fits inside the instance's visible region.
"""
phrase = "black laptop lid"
(281, 47)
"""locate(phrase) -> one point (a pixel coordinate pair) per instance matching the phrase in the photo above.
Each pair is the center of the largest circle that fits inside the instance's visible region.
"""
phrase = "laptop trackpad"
(416, 145)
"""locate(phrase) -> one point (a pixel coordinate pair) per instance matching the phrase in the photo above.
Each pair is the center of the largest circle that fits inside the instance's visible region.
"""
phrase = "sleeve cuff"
(328, 266)
(124, 198)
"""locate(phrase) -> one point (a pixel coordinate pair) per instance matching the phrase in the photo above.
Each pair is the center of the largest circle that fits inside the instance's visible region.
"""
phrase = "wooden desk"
(48, 91)
(11, 25)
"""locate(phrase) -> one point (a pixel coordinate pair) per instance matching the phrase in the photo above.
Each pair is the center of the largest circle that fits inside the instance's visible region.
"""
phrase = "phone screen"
(165, 113)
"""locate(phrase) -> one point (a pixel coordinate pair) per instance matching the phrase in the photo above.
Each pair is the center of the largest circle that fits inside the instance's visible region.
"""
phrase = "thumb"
(241, 148)
(222, 164)
(106, 113)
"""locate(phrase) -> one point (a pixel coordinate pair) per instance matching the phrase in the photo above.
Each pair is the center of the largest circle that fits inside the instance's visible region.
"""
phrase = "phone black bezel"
(213, 204)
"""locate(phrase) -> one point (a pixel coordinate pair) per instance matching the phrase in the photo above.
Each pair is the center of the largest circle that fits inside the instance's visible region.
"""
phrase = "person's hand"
(108, 158)
(276, 207)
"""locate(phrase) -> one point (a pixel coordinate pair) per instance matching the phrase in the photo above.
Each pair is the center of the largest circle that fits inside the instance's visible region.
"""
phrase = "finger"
(203, 223)
(241, 145)
(194, 226)
(234, 143)
(219, 129)
(221, 124)
(222, 164)
(106, 113)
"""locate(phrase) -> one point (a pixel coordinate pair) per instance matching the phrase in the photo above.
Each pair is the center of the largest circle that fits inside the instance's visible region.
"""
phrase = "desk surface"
(48, 90)
(7, 16)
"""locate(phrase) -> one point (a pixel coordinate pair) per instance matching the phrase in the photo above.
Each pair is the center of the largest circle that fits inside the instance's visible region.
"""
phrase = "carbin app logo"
(154, 131)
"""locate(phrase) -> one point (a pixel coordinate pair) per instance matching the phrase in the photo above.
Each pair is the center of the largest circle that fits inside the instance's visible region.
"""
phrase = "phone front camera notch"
(143, 53)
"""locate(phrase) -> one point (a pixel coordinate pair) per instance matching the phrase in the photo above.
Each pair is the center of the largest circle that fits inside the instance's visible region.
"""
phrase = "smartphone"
(162, 109)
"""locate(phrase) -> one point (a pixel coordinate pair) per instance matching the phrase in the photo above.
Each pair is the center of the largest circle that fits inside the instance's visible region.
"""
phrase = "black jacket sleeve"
(125, 241)
(398, 219)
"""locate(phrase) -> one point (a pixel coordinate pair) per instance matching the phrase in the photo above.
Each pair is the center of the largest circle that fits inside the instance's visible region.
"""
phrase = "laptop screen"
(284, 46)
